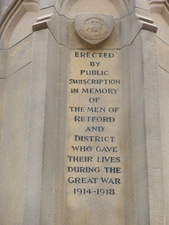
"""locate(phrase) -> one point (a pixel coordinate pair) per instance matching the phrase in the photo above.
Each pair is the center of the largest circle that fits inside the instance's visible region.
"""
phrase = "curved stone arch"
(15, 13)
(161, 7)
(159, 11)
(116, 8)
(121, 6)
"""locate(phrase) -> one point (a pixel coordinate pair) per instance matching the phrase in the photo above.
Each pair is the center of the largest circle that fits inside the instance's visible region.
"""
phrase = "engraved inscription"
(94, 164)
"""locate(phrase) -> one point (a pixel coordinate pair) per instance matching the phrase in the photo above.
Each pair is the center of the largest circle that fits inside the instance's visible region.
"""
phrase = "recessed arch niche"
(159, 11)
(116, 8)
(12, 29)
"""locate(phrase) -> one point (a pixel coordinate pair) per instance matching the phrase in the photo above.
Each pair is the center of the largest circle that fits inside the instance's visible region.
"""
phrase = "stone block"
(164, 109)
(143, 4)
(3, 63)
(163, 51)
(46, 3)
(80, 122)
(14, 146)
(19, 56)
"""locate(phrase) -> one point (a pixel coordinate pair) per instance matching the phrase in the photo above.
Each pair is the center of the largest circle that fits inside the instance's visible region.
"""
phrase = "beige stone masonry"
(50, 71)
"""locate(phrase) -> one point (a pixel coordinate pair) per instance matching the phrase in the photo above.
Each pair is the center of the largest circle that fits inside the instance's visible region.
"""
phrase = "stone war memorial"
(84, 112)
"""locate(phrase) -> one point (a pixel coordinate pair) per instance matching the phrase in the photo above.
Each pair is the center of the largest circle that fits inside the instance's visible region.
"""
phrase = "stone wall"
(66, 95)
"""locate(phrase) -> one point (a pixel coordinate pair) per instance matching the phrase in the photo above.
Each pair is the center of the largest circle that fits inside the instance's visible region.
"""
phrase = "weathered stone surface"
(163, 52)
(19, 13)
(83, 124)
(164, 108)
(105, 117)
(53, 154)
(33, 173)
(153, 132)
(4, 4)
(143, 4)
(94, 28)
(161, 23)
(138, 135)
(46, 3)
(14, 147)
(3, 63)
(21, 32)
(23, 52)
(2, 93)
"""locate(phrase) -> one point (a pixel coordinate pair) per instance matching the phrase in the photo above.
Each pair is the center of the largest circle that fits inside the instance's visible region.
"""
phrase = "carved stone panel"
(94, 28)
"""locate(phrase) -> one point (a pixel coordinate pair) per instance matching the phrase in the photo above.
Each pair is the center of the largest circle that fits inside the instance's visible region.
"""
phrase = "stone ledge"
(147, 24)
(42, 22)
